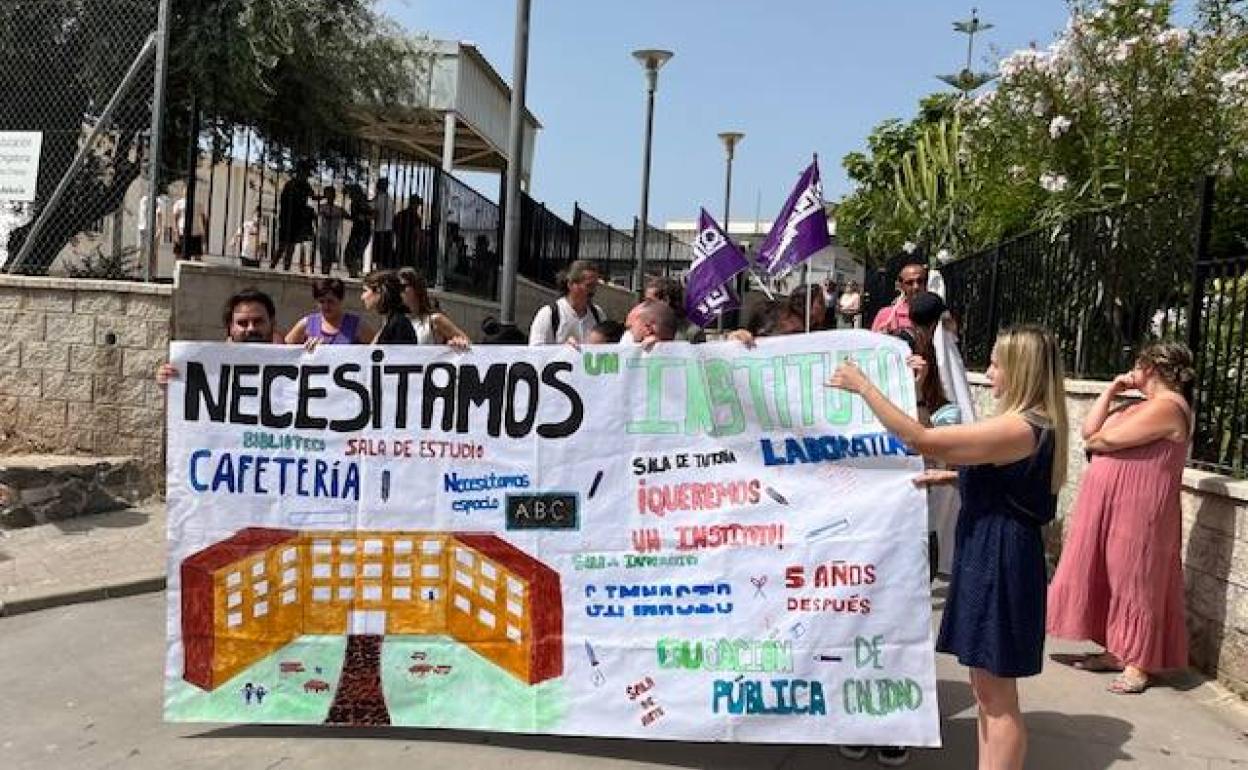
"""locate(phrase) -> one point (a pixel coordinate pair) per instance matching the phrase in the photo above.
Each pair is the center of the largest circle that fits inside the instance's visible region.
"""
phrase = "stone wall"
(77, 360)
(78, 357)
(1215, 546)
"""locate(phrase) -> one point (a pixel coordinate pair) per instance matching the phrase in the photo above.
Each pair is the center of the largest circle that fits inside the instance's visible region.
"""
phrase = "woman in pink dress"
(1120, 579)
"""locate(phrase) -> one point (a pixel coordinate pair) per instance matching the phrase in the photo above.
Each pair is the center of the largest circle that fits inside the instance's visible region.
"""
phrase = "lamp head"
(730, 139)
(652, 59)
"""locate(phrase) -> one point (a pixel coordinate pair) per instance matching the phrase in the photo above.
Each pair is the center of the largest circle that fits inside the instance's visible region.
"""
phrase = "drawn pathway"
(359, 699)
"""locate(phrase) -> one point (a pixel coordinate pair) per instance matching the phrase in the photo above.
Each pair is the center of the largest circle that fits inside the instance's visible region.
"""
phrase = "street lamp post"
(730, 139)
(515, 167)
(652, 59)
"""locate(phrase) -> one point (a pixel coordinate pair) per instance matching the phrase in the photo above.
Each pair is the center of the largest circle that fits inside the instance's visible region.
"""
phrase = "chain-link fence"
(80, 74)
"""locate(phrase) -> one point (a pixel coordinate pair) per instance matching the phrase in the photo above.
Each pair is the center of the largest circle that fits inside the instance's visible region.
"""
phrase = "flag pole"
(806, 269)
(806, 291)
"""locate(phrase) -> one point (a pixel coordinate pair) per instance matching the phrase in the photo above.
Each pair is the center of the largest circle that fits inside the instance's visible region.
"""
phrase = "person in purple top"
(331, 325)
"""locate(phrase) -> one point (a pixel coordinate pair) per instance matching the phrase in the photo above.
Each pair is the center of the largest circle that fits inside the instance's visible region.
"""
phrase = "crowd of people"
(315, 232)
(992, 482)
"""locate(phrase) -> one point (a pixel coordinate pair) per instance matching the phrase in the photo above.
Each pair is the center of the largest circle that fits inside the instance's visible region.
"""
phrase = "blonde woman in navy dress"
(1010, 468)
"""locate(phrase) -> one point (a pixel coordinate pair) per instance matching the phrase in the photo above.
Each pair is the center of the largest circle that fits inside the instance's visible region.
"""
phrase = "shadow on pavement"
(1056, 741)
(672, 753)
(122, 519)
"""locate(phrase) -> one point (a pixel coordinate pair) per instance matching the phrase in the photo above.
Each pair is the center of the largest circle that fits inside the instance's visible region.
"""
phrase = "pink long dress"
(1120, 579)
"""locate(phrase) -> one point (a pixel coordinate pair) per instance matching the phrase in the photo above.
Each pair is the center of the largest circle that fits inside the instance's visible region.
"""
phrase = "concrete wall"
(77, 360)
(1215, 546)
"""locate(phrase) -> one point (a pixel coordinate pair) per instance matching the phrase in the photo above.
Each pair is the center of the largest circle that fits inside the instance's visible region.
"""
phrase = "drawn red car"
(315, 685)
(290, 667)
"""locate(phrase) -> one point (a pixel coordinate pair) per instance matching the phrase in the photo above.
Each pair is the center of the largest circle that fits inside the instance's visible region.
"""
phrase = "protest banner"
(693, 543)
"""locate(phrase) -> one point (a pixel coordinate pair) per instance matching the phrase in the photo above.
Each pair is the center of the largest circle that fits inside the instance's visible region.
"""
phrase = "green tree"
(299, 71)
(870, 222)
(1122, 105)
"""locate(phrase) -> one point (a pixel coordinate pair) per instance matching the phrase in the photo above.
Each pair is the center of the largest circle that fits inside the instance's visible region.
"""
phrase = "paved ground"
(82, 559)
(81, 688)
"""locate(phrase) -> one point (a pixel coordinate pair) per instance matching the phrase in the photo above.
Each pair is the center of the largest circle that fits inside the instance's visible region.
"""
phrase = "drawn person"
(260, 693)
(248, 691)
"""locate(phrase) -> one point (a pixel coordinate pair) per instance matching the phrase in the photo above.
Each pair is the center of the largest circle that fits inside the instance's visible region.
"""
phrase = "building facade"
(250, 595)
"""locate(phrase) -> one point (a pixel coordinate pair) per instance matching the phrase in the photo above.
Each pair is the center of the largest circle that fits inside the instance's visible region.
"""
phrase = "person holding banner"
(669, 290)
(651, 322)
(432, 327)
(331, 324)
(1011, 467)
(383, 294)
(574, 315)
(249, 317)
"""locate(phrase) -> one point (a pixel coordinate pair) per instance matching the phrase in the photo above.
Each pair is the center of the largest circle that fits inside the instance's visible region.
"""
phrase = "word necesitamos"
(453, 482)
(448, 397)
(721, 397)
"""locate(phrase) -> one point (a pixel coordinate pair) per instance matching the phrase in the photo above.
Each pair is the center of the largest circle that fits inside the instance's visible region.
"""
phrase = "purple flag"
(800, 230)
(715, 261)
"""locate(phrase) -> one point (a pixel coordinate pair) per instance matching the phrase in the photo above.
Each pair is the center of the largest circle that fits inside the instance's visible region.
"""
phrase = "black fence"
(1109, 282)
(666, 254)
(1218, 303)
(608, 247)
(547, 243)
(473, 237)
(238, 186)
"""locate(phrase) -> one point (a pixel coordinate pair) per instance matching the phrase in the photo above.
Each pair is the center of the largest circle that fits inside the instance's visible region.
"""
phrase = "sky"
(796, 76)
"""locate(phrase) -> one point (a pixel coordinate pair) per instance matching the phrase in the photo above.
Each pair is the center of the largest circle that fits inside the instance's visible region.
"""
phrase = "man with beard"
(249, 316)
(574, 315)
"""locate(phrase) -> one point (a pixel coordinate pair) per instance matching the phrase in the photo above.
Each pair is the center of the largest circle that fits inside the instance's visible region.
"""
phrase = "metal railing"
(473, 258)
(1105, 282)
(547, 243)
(666, 254)
(608, 247)
(1109, 282)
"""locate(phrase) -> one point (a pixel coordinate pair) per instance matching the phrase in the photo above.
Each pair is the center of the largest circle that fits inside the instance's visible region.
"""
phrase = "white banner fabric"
(695, 543)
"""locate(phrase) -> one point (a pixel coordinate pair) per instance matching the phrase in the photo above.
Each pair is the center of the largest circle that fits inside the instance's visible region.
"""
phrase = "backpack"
(555, 319)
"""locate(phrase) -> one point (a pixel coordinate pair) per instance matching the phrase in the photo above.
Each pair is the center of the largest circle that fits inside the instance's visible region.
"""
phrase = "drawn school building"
(246, 597)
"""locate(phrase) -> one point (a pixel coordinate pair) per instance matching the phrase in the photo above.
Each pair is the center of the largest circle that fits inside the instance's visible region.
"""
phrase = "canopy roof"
(454, 79)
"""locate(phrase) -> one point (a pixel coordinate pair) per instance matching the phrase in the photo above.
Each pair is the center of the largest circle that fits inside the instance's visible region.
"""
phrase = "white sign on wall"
(19, 164)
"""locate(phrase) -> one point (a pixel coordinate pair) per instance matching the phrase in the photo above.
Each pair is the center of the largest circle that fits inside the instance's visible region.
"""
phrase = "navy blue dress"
(994, 616)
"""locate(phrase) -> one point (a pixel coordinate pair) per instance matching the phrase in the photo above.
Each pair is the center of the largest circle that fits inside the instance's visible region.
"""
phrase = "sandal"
(1128, 685)
(1096, 663)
